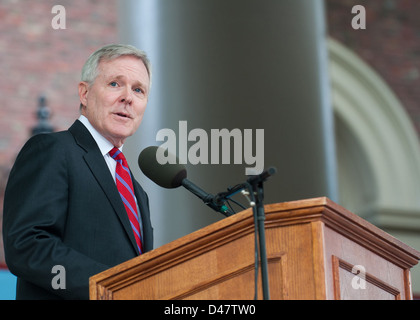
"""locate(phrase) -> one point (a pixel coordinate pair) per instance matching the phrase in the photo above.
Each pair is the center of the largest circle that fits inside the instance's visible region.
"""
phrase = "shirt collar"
(104, 145)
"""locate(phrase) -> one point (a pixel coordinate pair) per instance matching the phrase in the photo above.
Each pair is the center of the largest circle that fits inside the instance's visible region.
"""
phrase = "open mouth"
(123, 115)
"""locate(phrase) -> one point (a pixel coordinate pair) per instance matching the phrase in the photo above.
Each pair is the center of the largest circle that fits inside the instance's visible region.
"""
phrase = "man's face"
(116, 101)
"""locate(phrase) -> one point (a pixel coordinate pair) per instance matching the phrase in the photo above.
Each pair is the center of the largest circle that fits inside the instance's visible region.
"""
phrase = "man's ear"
(83, 92)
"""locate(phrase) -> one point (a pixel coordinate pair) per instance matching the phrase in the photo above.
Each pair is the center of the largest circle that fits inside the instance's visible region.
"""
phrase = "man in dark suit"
(62, 205)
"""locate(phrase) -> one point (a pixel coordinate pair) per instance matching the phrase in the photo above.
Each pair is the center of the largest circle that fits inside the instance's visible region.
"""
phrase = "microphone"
(263, 176)
(165, 175)
(174, 175)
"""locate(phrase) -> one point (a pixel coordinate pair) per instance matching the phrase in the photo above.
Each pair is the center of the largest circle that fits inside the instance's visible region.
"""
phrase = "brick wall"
(36, 59)
(390, 43)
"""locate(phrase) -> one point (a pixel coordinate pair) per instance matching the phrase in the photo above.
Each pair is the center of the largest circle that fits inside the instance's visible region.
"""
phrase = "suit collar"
(82, 136)
(104, 145)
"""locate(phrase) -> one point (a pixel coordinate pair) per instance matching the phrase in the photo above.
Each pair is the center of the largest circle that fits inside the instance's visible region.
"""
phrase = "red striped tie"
(125, 188)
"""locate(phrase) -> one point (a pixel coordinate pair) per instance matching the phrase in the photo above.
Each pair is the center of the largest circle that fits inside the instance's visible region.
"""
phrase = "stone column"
(237, 64)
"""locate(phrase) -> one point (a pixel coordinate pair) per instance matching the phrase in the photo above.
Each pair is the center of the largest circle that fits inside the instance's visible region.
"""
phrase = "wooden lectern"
(315, 250)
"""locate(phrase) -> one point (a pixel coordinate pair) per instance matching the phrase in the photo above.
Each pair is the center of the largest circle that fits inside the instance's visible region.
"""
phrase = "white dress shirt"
(104, 145)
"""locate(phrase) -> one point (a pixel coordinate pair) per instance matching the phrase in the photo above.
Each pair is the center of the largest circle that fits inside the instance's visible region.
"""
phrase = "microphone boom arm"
(207, 198)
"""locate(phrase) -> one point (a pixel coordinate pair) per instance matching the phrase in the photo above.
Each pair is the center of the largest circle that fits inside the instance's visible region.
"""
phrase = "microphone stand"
(255, 187)
(257, 191)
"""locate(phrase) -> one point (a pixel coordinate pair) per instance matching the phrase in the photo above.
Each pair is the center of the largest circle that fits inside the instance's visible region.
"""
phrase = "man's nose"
(127, 96)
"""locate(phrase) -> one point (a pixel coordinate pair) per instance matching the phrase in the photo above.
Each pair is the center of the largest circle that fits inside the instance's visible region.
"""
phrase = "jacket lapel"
(143, 204)
(100, 170)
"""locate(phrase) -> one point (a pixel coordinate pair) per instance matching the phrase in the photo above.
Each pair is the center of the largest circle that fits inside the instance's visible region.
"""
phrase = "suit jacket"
(62, 208)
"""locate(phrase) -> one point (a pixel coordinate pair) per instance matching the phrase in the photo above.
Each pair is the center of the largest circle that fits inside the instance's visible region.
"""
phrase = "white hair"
(110, 52)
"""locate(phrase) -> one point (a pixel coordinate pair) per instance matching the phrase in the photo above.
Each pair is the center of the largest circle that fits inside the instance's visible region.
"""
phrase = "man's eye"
(113, 84)
(138, 90)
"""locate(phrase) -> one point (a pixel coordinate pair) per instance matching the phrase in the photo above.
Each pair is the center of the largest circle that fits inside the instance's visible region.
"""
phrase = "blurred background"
(339, 105)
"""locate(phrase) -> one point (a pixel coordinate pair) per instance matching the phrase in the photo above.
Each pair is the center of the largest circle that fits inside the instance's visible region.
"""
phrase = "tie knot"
(116, 154)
